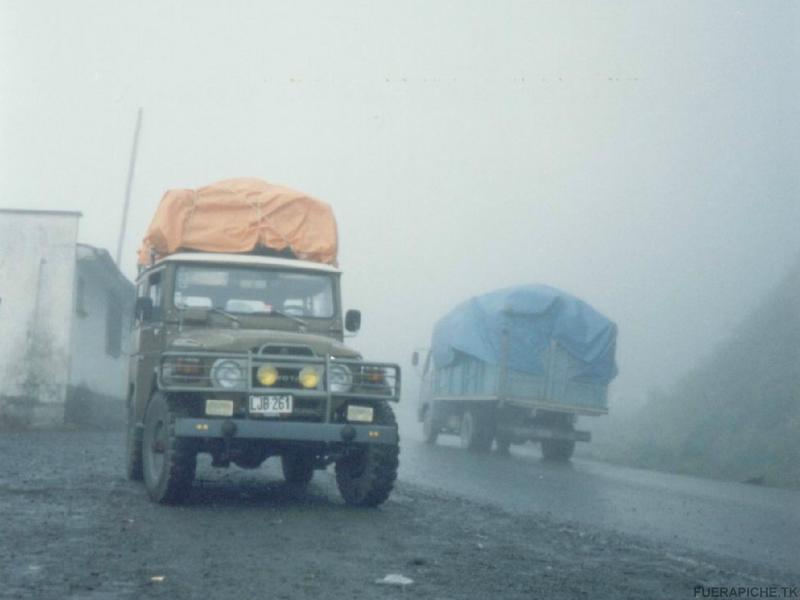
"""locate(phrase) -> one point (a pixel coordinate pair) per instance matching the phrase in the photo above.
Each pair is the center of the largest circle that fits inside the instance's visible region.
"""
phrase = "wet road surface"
(732, 519)
(73, 527)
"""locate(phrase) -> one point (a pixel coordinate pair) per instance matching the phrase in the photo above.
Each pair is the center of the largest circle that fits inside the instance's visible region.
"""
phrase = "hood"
(244, 340)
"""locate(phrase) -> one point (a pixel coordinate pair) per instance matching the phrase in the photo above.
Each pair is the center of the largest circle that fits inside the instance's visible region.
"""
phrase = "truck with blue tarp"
(516, 365)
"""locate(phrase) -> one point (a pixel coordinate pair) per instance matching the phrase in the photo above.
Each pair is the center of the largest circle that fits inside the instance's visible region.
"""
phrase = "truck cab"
(243, 357)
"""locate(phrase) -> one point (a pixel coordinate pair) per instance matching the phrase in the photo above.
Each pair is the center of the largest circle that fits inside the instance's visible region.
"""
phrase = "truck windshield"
(248, 290)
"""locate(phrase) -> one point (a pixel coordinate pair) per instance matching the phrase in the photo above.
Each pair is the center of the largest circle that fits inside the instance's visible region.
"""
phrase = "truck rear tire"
(503, 445)
(477, 429)
(558, 450)
(366, 473)
(169, 462)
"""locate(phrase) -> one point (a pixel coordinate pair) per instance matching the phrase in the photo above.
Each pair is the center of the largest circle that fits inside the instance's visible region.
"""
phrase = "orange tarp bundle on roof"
(241, 215)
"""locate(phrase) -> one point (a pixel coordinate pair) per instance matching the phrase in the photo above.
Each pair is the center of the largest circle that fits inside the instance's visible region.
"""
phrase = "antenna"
(129, 185)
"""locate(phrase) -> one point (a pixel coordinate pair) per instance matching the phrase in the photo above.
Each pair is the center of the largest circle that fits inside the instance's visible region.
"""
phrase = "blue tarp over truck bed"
(533, 316)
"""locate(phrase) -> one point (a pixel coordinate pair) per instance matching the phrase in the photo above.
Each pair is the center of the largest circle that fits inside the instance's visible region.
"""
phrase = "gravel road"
(73, 527)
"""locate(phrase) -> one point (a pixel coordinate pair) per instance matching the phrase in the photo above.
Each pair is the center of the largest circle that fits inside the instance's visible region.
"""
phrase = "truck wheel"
(298, 468)
(503, 445)
(477, 430)
(430, 427)
(366, 474)
(558, 450)
(169, 461)
(133, 448)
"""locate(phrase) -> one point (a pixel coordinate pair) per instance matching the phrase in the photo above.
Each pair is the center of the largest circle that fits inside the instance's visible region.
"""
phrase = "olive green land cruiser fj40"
(241, 356)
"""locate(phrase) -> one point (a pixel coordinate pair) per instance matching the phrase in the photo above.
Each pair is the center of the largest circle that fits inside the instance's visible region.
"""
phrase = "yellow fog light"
(267, 375)
(309, 378)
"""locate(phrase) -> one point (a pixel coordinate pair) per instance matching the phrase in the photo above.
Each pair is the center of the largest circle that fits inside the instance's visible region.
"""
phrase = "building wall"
(37, 267)
(99, 366)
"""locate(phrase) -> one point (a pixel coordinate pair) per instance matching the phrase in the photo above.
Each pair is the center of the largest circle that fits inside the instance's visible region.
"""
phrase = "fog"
(642, 156)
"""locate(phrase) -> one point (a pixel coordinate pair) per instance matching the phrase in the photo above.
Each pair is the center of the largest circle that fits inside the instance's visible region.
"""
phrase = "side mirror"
(415, 359)
(144, 308)
(352, 320)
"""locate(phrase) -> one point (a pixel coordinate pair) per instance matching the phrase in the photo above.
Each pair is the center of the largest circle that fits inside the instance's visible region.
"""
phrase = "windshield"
(248, 290)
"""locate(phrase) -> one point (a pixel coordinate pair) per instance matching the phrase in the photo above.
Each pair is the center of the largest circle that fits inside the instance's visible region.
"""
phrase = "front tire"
(133, 447)
(430, 427)
(366, 474)
(169, 462)
(477, 429)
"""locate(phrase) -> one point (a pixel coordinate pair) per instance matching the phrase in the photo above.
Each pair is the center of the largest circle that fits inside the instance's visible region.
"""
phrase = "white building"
(65, 313)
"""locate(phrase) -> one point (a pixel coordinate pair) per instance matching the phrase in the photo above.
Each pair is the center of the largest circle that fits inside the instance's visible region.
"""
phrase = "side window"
(141, 288)
(156, 294)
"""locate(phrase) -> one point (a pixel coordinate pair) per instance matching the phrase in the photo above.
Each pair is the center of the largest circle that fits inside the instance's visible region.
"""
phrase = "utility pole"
(131, 169)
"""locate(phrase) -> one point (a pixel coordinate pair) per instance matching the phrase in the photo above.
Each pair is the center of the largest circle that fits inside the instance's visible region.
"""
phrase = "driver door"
(149, 338)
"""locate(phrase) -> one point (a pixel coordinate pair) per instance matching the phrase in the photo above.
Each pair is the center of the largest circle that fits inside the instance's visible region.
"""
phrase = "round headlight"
(309, 377)
(228, 374)
(340, 378)
(267, 375)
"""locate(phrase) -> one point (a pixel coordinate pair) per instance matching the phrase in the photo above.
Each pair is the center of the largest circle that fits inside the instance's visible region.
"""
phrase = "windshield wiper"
(225, 313)
(182, 308)
(288, 316)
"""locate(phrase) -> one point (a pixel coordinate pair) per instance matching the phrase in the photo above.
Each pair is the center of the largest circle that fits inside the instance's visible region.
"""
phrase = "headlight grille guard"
(191, 372)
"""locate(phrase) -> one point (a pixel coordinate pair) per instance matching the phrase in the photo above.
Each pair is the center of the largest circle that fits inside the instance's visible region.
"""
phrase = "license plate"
(272, 405)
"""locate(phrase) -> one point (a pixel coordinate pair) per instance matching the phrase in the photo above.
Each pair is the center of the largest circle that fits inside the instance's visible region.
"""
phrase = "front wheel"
(477, 430)
(366, 474)
(133, 447)
(168, 461)
(430, 427)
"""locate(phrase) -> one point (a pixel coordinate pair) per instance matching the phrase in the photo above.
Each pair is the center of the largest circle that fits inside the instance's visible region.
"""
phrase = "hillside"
(737, 415)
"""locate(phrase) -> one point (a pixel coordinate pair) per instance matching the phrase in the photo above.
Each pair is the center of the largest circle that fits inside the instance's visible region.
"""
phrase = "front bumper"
(251, 429)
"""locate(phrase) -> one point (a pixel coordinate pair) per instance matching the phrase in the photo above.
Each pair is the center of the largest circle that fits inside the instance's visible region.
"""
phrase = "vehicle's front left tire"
(477, 429)
(133, 447)
(169, 462)
(365, 474)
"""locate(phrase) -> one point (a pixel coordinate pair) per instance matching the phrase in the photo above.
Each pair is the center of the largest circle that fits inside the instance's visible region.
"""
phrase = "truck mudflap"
(286, 431)
(536, 434)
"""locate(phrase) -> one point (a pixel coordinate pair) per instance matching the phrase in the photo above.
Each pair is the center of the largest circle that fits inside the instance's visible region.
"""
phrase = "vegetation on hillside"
(737, 415)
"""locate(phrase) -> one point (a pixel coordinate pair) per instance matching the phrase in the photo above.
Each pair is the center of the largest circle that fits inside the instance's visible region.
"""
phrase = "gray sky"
(641, 155)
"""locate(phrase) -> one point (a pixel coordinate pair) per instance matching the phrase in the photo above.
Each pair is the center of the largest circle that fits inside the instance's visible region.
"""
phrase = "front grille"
(192, 372)
(283, 350)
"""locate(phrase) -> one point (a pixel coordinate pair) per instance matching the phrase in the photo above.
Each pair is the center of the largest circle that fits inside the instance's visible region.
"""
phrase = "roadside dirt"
(73, 527)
